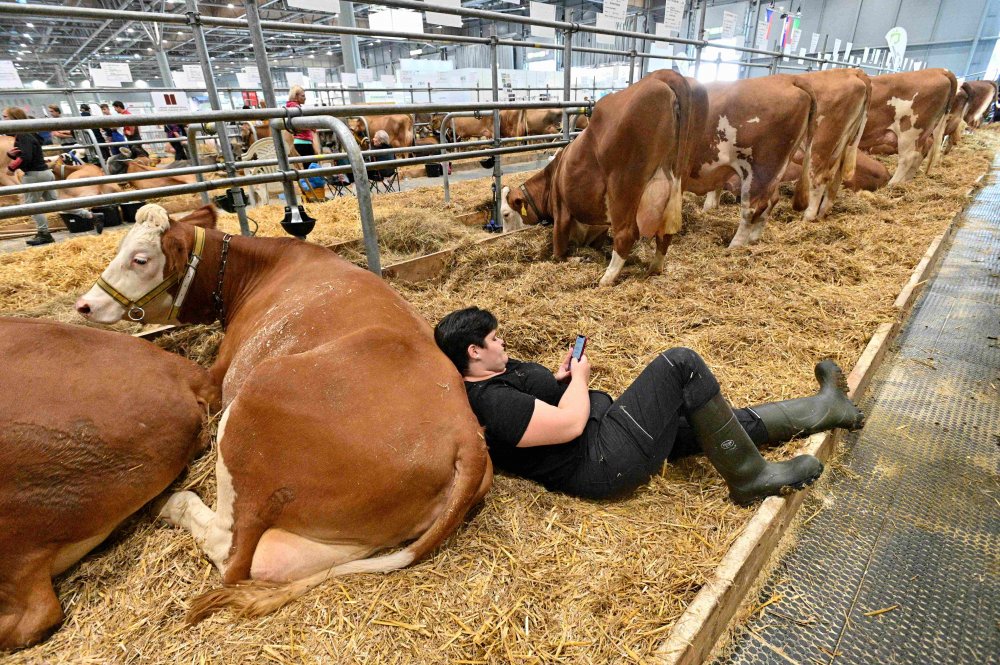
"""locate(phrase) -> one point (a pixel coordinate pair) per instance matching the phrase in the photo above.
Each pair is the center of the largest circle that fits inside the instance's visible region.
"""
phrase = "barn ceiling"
(42, 46)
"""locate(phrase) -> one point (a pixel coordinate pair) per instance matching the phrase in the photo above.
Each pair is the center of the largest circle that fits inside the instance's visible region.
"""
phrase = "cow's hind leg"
(623, 243)
(212, 530)
(32, 612)
(662, 244)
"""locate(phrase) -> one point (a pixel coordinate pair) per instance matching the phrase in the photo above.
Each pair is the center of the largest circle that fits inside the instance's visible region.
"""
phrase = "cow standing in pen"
(841, 110)
(345, 430)
(753, 129)
(981, 95)
(93, 424)
(907, 116)
(623, 176)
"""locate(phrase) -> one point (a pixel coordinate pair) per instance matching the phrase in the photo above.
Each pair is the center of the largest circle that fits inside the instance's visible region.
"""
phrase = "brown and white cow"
(399, 127)
(869, 174)
(93, 424)
(345, 431)
(981, 95)
(250, 132)
(64, 171)
(124, 164)
(624, 175)
(841, 108)
(753, 129)
(955, 125)
(6, 178)
(907, 116)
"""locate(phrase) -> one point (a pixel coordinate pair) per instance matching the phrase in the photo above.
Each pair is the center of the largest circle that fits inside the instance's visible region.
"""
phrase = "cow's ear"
(176, 248)
(206, 217)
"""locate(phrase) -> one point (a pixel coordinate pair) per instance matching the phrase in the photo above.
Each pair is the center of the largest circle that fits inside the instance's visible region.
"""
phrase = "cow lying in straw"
(345, 430)
(93, 424)
(622, 175)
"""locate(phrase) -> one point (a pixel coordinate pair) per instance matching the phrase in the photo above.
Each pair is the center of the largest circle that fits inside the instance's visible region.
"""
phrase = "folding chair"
(262, 149)
(384, 182)
(340, 185)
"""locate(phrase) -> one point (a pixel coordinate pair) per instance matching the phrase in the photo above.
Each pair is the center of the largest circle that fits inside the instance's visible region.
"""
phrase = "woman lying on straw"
(550, 428)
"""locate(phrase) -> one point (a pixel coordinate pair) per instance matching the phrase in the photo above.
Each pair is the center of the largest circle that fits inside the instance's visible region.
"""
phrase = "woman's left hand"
(562, 374)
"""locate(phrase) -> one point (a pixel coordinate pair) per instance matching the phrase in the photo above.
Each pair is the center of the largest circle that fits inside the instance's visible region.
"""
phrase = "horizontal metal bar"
(189, 117)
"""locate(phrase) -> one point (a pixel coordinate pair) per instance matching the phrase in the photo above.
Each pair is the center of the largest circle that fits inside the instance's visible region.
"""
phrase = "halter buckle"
(132, 313)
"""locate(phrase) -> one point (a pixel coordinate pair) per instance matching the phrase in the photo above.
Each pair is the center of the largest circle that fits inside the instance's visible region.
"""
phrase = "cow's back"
(93, 424)
(926, 93)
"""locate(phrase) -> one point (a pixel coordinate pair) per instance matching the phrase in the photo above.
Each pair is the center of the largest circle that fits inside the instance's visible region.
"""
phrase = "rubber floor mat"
(896, 558)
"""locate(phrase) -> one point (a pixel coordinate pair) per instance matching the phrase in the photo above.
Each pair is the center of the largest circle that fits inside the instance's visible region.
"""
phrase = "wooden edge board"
(156, 331)
(696, 632)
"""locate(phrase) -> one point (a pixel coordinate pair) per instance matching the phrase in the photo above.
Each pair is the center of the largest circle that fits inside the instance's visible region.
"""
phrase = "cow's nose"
(82, 307)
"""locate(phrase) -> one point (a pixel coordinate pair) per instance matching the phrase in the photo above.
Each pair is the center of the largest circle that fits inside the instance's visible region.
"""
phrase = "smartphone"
(579, 346)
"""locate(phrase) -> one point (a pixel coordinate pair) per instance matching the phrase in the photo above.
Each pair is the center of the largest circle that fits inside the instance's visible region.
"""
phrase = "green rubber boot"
(827, 409)
(750, 477)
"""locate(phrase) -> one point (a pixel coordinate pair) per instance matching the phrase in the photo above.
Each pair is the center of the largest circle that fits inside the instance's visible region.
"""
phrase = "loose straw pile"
(533, 576)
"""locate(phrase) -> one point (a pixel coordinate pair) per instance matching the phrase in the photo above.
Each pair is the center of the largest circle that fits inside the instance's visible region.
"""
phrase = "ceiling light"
(311, 55)
(416, 52)
(24, 45)
(329, 52)
(30, 25)
(129, 30)
(230, 5)
(149, 48)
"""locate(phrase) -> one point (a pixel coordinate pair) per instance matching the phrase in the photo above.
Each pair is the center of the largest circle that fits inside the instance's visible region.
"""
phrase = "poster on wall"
(317, 75)
(295, 78)
(101, 80)
(349, 80)
(9, 78)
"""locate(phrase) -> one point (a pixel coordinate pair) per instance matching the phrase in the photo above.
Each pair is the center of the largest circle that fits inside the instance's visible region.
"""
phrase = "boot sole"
(784, 490)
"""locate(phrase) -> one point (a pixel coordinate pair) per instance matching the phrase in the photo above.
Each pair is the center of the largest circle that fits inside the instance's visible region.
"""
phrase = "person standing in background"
(304, 140)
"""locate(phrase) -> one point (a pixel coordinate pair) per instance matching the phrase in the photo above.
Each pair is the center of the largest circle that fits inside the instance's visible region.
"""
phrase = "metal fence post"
(631, 66)
(701, 37)
(296, 221)
(198, 32)
(497, 169)
(567, 73)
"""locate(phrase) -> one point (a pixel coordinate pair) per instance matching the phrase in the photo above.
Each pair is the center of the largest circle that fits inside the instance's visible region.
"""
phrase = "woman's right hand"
(580, 369)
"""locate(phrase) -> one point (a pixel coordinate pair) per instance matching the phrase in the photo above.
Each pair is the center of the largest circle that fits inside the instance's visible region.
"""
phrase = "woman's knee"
(700, 384)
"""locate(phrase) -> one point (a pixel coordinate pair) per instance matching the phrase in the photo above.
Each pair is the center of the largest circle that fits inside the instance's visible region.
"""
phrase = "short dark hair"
(456, 331)
(118, 105)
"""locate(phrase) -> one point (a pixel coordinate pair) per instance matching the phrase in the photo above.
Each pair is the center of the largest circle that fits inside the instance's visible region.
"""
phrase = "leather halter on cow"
(325, 354)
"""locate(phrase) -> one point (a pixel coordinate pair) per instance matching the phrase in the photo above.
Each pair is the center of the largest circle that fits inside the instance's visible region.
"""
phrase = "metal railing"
(297, 221)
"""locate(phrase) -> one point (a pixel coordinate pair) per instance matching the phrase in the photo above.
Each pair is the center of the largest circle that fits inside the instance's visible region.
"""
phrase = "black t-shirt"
(504, 405)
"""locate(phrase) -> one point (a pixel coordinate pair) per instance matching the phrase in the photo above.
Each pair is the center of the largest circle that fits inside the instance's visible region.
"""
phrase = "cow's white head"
(139, 281)
(512, 208)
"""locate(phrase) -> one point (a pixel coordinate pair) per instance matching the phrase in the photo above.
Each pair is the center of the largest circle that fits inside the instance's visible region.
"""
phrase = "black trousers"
(627, 445)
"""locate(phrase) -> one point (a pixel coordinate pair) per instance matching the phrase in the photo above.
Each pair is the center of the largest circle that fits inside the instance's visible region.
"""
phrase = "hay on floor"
(533, 576)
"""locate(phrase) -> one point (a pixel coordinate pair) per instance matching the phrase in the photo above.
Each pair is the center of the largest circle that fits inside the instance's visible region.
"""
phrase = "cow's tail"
(688, 98)
(802, 188)
(851, 153)
(937, 137)
(256, 599)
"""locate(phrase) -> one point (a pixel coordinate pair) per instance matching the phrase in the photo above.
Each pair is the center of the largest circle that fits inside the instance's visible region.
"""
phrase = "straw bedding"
(532, 577)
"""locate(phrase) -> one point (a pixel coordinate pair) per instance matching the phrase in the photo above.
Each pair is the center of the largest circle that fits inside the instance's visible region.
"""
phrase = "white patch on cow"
(733, 156)
(511, 219)
(753, 120)
(615, 267)
(906, 140)
(712, 200)
(982, 109)
(213, 531)
(816, 198)
(131, 279)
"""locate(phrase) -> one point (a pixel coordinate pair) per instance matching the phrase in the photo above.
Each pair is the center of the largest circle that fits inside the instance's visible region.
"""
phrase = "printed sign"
(117, 71)
(543, 12)
(9, 78)
(605, 22)
(614, 9)
(673, 14)
(194, 77)
(349, 80)
(366, 75)
(437, 18)
(814, 42)
(728, 25)
(169, 101)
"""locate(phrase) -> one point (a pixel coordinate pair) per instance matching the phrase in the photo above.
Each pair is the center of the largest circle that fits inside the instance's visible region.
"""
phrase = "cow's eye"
(140, 260)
